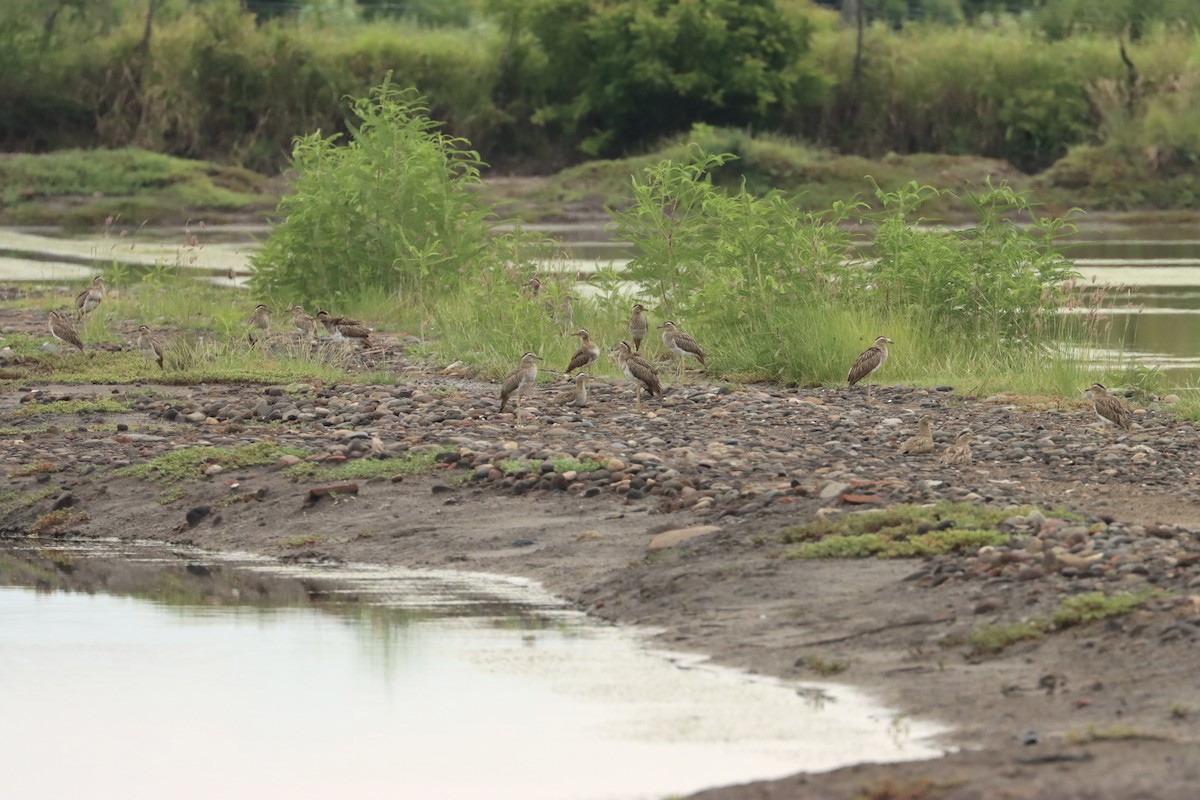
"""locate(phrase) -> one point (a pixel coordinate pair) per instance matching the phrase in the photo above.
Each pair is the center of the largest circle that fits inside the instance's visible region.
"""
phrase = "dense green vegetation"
(388, 212)
(774, 293)
(1110, 85)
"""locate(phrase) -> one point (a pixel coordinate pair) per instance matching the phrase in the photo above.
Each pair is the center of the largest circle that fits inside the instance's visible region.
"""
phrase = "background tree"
(625, 73)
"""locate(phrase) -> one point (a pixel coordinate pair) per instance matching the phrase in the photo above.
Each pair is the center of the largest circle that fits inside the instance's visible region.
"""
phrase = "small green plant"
(172, 495)
(104, 405)
(824, 666)
(1072, 611)
(1110, 733)
(992, 639)
(16, 499)
(190, 462)
(1084, 608)
(306, 540)
(55, 521)
(26, 470)
(899, 789)
(1180, 711)
(366, 468)
(901, 531)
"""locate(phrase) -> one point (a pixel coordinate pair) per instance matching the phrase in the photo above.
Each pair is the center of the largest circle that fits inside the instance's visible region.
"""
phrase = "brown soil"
(1107, 710)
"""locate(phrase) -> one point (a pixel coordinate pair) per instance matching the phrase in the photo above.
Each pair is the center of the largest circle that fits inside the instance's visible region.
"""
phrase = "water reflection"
(164, 673)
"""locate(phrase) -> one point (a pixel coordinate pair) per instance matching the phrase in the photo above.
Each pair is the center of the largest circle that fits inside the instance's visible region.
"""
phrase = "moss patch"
(903, 531)
(190, 462)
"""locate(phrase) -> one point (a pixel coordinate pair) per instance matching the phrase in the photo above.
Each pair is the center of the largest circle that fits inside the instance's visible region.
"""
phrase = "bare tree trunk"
(859, 22)
(1131, 76)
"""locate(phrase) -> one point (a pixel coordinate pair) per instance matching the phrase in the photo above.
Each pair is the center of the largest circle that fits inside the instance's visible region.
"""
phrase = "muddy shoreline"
(1104, 709)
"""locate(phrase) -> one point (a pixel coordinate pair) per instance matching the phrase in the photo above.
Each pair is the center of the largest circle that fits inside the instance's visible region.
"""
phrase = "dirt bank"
(575, 498)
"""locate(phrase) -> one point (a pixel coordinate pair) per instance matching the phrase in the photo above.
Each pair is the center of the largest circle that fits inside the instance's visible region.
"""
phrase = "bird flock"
(339, 329)
(1109, 409)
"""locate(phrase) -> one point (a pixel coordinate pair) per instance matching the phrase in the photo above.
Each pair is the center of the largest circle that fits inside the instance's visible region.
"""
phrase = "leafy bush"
(780, 294)
(621, 74)
(390, 211)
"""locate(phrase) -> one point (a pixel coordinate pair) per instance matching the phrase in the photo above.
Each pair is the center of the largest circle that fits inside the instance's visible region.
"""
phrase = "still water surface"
(398, 684)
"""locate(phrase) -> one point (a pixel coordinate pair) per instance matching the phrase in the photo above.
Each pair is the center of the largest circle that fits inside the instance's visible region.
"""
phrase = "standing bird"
(638, 326)
(681, 344)
(923, 441)
(519, 381)
(638, 370)
(89, 298)
(1109, 409)
(149, 346)
(868, 361)
(959, 452)
(62, 329)
(587, 353)
(303, 322)
(342, 329)
(576, 395)
(261, 319)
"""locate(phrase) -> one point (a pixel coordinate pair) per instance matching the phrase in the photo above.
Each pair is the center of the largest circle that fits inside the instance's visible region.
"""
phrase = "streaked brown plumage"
(303, 322)
(638, 370)
(149, 346)
(638, 326)
(923, 441)
(1110, 409)
(261, 318)
(87, 300)
(869, 360)
(344, 328)
(681, 344)
(959, 452)
(576, 395)
(330, 322)
(519, 381)
(62, 329)
(587, 353)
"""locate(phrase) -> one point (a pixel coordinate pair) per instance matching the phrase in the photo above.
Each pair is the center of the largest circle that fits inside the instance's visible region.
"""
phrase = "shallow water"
(193, 676)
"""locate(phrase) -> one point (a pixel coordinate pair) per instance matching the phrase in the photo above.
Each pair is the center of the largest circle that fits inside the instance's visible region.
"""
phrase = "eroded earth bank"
(1057, 633)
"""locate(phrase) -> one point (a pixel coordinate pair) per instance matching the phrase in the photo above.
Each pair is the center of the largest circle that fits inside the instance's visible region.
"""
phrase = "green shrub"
(390, 211)
(772, 293)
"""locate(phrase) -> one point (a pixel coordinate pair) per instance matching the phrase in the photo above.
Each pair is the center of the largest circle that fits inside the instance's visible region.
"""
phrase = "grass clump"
(103, 405)
(1072, 611)
(1110, 733)
(39, 468)
(898, 789)
(367, 468)
(903, 531)
(190, 462)
(16, 499)
(512, 466)
(303, 541)
(1084, 608)
(992, 639)
(56, 521)
(824, 666)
